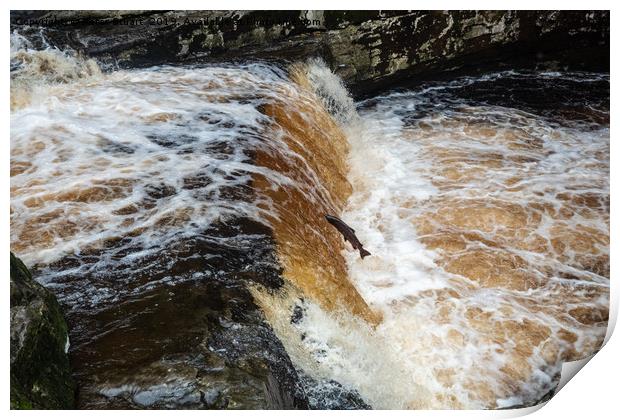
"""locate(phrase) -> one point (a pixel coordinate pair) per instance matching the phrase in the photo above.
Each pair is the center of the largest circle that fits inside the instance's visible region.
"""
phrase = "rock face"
(368, 49)
(40, 373)
(194, 343)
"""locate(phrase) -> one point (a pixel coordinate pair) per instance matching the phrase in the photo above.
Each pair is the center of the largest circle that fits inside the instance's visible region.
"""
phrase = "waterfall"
(487, 217)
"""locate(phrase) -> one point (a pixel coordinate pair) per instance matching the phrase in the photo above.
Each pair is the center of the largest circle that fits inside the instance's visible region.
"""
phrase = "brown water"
(145, 199)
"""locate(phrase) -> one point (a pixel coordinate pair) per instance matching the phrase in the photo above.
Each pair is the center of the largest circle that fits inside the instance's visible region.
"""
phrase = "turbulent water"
(484, 202)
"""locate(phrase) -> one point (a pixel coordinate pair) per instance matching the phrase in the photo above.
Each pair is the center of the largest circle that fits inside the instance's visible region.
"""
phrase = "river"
(177, 212)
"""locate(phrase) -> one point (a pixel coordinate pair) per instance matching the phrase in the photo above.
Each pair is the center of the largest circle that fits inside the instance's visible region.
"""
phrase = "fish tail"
(364, 253)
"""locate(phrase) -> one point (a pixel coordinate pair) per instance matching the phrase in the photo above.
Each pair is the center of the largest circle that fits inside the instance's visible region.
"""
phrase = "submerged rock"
(40, 372)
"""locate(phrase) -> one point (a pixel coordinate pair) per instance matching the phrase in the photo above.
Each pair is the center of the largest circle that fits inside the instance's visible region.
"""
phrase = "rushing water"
(140, 195)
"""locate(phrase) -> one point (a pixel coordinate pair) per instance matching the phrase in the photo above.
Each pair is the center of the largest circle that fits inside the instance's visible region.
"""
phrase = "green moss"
(19, 269)
(40, 372)
(20, 404)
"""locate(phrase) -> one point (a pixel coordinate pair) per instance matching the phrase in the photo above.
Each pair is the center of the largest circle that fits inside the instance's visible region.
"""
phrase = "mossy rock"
(40, 372)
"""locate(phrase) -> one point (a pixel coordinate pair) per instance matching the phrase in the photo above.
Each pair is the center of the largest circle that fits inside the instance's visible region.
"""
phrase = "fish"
(348, 233)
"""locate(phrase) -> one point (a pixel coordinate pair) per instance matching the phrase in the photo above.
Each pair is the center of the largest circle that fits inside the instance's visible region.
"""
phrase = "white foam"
(418, 340)
(148, 128)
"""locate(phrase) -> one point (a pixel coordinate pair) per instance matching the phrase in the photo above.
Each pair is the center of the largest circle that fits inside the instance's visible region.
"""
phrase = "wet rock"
(370, 50)
(298, 314)
(186, 333)
(533, 403)
(331, 395)
(40, 372)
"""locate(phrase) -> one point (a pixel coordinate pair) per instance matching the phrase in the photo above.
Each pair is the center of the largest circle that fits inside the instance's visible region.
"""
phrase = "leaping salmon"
(348, 233)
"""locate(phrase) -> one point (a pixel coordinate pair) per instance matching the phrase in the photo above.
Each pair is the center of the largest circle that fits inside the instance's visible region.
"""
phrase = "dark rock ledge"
(370, 50)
